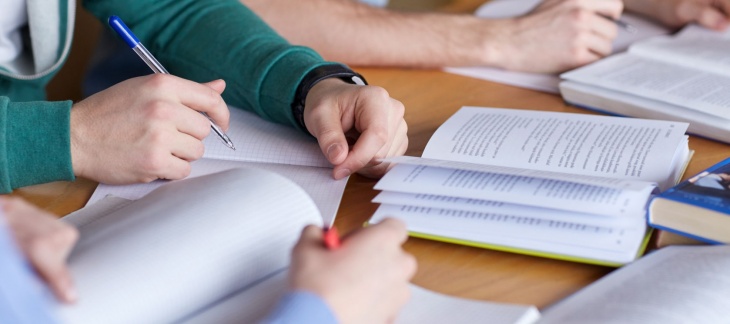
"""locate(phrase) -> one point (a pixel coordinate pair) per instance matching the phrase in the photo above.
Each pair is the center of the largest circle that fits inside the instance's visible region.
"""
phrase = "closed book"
(666, 238)
(698, 208)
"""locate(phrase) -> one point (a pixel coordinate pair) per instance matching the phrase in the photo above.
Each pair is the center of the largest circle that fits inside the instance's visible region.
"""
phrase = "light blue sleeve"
(302, 308)
(23, 299)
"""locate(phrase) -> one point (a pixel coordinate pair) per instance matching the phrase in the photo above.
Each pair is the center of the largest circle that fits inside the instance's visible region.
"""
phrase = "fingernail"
(71, 295)
(333, 151)
(342, 173)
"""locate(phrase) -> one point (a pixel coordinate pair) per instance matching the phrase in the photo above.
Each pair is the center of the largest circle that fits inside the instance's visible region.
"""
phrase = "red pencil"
(331, 238)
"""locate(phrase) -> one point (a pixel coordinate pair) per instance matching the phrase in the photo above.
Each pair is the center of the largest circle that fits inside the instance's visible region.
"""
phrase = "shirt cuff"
(301, 307)
(38, 142)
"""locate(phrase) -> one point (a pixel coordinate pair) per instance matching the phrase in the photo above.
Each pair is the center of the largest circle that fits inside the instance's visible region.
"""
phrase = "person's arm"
(34, 143)
(556, 36)
(713, 14)
(204, 40)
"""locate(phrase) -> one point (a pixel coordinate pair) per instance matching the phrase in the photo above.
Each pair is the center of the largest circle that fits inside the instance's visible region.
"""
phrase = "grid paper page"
(257, 140)
(317, 182)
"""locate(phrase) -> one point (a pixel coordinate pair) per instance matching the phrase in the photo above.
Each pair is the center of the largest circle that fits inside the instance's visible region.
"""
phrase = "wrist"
(316, 76)
(491, 44)
(76, 139)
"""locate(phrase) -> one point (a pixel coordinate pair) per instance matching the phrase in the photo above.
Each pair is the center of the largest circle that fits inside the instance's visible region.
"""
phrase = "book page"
(515, 189)
(672, 285)
(425, 306)
(186, 245)
(688, 87)
(497, 9)
(317, 182)
(624, 104)
(537, 174)
(597, 216)
(694, 47)
(258, 140)
(612, 147)
(520, 233)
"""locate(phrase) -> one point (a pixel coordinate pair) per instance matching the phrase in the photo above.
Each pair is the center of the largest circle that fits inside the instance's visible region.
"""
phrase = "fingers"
(222, 118)
(45, 242)
(383, 132)
(327, 128)
(391, 229)
(188, 148)
(607, 8)
(168, 166)
(200, 97)
(603, 28)
(389, 232)
(48, 255)
(713, 17)
(398, 147)
(311, 236)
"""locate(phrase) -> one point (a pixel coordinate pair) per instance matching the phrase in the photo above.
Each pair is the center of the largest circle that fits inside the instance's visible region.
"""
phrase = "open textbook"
(214, 249)
(673, 285)
(685, 77)
(497, 9)
(567, 186)
(264, 145)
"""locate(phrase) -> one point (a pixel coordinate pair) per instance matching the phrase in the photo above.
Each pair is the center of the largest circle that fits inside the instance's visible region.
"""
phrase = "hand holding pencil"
(364, 280)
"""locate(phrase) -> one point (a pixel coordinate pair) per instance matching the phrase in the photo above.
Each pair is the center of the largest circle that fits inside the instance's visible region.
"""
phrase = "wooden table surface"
(430, 97)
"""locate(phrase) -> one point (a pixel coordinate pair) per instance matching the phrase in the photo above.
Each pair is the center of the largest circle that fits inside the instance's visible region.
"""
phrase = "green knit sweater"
(200, 40)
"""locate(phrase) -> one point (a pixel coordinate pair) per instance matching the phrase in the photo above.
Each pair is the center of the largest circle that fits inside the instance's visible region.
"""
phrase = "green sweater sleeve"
(203, 40)
(35, 145)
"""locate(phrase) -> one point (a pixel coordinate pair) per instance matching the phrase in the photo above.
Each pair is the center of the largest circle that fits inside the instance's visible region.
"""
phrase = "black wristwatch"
(341, 72)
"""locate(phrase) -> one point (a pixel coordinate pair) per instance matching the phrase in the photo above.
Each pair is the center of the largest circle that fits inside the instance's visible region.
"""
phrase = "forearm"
(207, 40)
(358, 34)
(36, 144)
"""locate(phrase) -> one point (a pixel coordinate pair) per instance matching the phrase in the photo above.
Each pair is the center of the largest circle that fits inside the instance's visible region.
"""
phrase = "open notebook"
(213, 249)
(264, 145)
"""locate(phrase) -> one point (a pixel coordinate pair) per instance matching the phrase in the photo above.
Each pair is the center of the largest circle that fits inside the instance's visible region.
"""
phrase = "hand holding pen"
(143, 129)
(118, 25)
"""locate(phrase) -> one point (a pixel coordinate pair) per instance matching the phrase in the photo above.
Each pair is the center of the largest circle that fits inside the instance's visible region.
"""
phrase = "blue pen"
(118, 25)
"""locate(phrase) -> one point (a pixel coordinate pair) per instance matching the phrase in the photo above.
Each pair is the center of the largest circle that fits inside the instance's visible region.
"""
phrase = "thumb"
(311, 237)
(709, 16)
(217, 85)
(62, 284)
(330, 136)
(55, 273)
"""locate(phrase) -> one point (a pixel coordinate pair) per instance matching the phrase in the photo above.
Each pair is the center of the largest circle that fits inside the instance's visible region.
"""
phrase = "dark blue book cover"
(710, 189)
